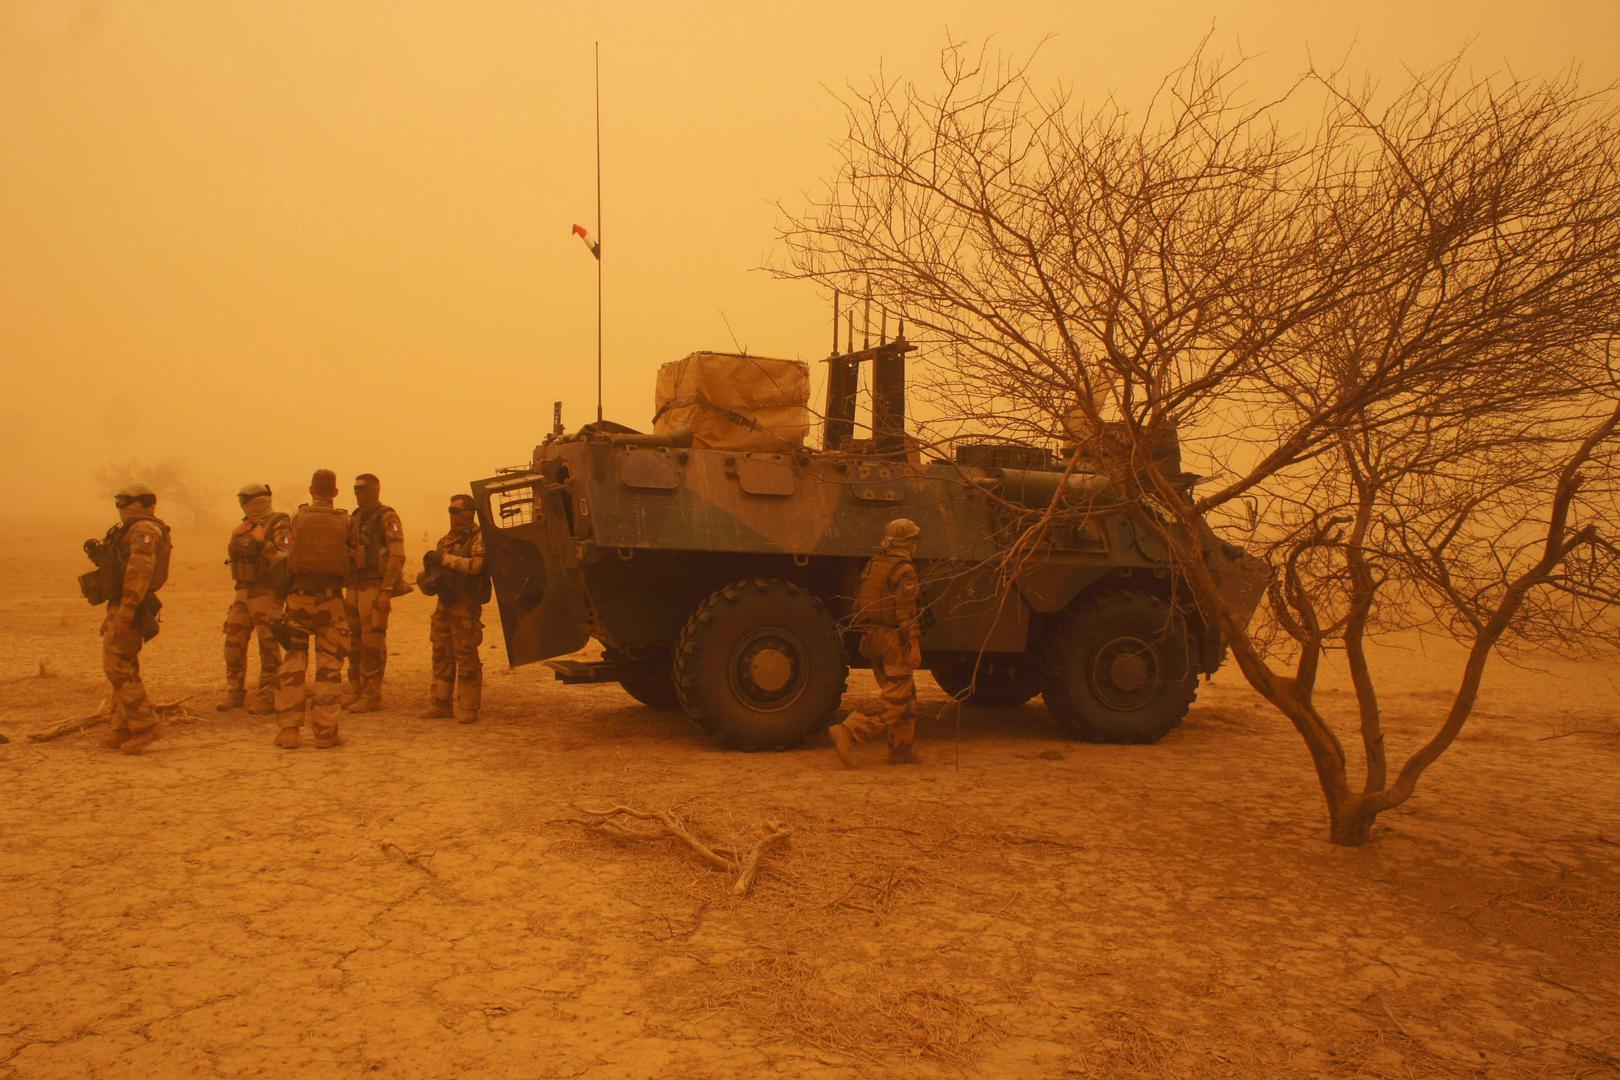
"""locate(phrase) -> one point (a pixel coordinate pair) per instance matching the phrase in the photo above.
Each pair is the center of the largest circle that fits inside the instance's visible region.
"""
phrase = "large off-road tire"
(1120, 668)
(653, 682)
(760, 665)
(1003, 679)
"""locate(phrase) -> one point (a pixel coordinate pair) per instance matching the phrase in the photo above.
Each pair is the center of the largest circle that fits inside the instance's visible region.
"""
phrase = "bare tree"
(1385, 340)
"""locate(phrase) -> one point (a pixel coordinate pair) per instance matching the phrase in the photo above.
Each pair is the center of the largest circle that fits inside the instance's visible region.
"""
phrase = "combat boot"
(114, 739)
(363, 705)
(287, 738)
(234, 699)
(262, 707)
(844, 743)
(140, 740)
(437, 711)
(903, 755)
(351, 694)
(327, 740)
(468, 717)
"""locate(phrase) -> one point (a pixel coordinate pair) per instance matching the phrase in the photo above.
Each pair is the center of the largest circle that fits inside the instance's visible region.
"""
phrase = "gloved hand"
(384, 600)
(432, 558)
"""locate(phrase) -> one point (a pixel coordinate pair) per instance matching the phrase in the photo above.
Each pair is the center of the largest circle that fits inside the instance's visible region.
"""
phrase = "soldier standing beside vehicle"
(886, 614)
(132, 563)
(317, 552)
(454, 572)
(255, 556)
(377, 555)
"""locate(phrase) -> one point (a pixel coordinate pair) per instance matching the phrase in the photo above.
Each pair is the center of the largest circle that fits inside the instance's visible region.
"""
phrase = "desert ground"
(421, 901)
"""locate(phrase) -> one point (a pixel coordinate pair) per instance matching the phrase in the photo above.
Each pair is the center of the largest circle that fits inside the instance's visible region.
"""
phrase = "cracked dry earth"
(418, 903)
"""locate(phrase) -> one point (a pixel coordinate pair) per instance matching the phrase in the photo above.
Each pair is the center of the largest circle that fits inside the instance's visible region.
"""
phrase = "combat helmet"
(900, 531)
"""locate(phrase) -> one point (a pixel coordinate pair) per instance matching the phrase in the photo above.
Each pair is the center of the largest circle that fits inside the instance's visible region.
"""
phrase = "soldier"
(886, 613)
(255, 556)
(454, 572)
(377, 560)
(317, 553)
(132, 563)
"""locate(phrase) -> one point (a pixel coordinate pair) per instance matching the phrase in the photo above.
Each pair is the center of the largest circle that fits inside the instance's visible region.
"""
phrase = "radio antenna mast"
(598, 231)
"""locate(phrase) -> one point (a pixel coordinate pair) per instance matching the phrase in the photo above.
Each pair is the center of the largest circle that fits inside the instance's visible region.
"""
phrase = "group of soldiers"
(322, 576)
(329, 576)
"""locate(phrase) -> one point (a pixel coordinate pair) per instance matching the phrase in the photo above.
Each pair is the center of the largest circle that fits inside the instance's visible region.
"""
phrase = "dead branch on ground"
(169, 711)
(744, 865)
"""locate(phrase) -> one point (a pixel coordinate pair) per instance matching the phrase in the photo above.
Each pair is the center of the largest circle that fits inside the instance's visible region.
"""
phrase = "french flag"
(595, 246)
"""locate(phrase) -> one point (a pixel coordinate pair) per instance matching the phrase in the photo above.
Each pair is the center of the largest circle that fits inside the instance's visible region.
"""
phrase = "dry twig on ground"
(169, 711)
(743, 864)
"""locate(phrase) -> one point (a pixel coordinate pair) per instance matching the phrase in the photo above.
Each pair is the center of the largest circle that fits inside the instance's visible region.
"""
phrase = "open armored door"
(542, 608)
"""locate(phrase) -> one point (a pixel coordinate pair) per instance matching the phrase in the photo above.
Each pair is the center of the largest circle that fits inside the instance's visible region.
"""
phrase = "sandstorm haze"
(244, 241)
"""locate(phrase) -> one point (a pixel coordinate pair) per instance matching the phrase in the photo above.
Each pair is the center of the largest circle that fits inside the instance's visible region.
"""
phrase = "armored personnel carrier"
(714, 560)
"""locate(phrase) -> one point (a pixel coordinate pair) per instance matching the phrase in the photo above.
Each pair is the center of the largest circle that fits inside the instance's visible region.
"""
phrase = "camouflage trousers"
(456, 632)
(319, 618)
(249, 617)
(896, 710)
(121, 660)
(368, 639)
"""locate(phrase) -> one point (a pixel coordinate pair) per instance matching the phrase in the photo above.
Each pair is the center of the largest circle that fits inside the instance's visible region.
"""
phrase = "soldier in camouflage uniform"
(317, 553)
(135, 559)
(254, 554)
(455, 573)
(377, 559)
(886, 613)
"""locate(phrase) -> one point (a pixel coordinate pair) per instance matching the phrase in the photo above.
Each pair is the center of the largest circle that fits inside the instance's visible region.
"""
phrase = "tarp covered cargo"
(734, 402)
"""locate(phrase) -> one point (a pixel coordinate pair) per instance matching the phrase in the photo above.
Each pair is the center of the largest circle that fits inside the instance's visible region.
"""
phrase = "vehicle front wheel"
(650, 678)
(1119, 669)
(760, 665)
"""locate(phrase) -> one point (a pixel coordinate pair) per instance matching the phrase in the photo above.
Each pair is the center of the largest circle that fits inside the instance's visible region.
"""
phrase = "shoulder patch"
(142, 540)
(394, 527)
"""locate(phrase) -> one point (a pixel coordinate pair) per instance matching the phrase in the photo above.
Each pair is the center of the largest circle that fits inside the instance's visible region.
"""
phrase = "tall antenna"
(598, 46)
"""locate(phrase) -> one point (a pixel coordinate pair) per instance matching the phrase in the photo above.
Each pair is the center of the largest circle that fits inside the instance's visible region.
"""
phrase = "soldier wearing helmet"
(316, 546)
(376, 576)
(255, 555)
(132, 563)
(454, 572)
(886, 614)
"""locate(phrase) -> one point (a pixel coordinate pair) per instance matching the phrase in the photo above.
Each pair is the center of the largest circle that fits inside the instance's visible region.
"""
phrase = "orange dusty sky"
(250, 239)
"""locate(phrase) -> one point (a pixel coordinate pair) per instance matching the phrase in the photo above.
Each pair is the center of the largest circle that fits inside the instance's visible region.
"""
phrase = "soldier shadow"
(950, 720)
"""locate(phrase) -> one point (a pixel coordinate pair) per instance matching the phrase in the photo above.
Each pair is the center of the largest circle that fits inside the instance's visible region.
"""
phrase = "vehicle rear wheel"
(1002, 679)
(1120, 669)
(760, 665)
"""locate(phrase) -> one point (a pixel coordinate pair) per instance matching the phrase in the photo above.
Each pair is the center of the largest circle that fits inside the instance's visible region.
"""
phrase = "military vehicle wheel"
(1120, 669)
(1003, 679)
(760, 665)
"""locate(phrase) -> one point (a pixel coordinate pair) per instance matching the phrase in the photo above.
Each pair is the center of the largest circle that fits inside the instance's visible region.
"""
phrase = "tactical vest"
(120, 549)
(371, 542)
(320, 547)
(456, 585)
(245, 552)
(874, 599)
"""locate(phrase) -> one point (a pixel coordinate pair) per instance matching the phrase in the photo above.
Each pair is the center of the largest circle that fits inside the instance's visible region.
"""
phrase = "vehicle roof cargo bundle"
(734, 402)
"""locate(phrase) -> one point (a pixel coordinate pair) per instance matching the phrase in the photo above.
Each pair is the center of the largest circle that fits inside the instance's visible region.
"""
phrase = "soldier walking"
(317, 552)
(377, 559)
(255, 556)
(132, 563)
(886, 614)
(454, 572)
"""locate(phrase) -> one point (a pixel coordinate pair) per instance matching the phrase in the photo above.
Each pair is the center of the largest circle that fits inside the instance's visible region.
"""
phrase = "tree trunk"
(1350, 819)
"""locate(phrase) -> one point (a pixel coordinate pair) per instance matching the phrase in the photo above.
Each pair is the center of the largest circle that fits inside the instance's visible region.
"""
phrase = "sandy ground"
(418, 904)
